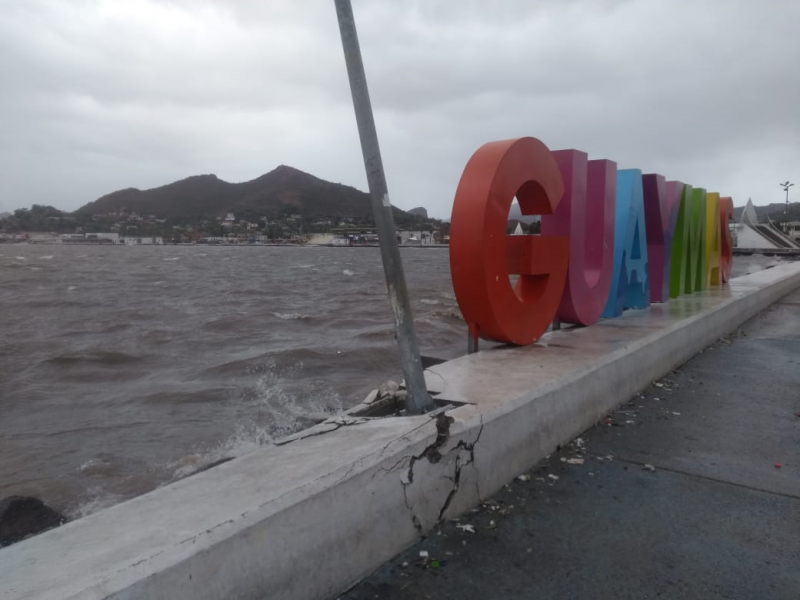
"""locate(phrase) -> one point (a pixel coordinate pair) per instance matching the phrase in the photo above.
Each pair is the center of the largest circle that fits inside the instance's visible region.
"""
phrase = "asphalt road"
(691, 490)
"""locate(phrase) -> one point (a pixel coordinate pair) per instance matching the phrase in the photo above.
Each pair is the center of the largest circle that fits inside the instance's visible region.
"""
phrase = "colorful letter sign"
(726, 256)
(630, 284)
(679, 269)
(607, 237)
(713, 241)
(661, 211)
(481, 254)
(587, 209)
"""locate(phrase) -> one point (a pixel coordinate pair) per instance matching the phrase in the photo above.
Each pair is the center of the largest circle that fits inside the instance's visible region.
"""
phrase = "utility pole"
(786, 185)
(418, 400)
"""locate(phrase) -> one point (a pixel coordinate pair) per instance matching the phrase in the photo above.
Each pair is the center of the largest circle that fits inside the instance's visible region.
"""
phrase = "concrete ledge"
(307, 518)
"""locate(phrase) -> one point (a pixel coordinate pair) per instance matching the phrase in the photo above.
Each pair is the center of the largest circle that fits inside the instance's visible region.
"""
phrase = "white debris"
(553, 477)
(574, 461)
(649, 467)
(423, 554)
(468, 528)
(524, 477)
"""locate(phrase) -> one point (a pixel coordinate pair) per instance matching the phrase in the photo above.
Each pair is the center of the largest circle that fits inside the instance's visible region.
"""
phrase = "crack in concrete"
(431, 452)
(392, 469)
(456, 479)
(433, 455)
(343, 422)
(414, 519)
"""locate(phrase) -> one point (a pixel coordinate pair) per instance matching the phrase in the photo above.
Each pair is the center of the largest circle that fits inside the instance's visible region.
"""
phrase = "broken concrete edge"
(350, 498)
(162, 544)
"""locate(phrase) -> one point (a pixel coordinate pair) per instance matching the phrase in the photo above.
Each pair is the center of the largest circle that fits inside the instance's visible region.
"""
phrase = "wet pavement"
(691, 490)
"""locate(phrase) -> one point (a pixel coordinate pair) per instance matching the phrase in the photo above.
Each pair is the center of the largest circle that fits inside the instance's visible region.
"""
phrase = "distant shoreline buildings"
(343, 237)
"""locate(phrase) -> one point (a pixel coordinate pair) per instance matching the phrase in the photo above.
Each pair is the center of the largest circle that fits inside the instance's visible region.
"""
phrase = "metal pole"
(786, 185)
(418, 400)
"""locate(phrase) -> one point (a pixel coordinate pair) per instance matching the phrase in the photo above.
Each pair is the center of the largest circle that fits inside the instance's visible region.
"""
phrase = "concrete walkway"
(692, 490)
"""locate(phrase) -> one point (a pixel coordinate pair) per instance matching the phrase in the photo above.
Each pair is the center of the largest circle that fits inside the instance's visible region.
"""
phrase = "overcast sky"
(99, 95)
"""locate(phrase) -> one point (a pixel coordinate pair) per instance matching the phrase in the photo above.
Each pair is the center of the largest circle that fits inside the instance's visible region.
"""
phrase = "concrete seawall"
(309, 517)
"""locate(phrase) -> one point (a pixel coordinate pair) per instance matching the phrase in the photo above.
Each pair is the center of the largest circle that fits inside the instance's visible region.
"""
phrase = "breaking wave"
(290, 316)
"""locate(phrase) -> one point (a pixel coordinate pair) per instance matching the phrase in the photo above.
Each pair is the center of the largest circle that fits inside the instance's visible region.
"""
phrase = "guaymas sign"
(610, 240)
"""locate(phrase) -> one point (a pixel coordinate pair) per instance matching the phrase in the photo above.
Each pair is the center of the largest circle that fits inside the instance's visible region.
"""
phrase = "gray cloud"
(101, 95)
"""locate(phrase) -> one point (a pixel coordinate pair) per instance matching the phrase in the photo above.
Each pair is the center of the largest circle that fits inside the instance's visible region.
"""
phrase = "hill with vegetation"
(284, 190)
(286, 200)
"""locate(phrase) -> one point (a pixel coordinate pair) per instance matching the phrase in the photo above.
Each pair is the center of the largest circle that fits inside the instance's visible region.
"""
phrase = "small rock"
(388, 389)
(524, 477)
(23, 516)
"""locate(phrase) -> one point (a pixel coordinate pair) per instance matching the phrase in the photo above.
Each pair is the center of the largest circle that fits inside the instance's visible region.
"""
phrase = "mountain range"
(284, 190)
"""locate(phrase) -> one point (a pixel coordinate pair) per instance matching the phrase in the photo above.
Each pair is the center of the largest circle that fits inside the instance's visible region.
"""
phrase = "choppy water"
(125, 368)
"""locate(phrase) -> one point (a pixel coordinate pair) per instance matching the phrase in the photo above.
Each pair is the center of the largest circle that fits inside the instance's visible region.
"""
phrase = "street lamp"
(786, 185)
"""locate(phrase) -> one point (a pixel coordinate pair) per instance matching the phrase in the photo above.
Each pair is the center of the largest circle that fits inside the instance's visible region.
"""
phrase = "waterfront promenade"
(691, 490)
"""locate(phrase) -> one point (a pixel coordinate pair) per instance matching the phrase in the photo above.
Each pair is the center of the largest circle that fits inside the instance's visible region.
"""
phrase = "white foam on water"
(90, 463)
(246, 438)
(20, 258)
(96, 467)
(93, 500)
(72, 287)
(290, 316)
(46, 257)
(283, 408)
(172, 258)
(348, 272)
